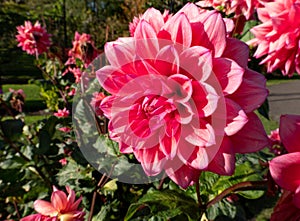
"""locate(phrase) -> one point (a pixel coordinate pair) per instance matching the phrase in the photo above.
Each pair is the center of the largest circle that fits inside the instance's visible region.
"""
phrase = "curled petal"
(251, 138)
(289, 131)
(252, 92)
(181, 174)
(285, 171)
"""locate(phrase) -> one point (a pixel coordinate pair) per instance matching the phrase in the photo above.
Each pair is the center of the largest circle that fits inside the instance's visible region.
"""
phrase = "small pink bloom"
(63, 161)
(274, 136)
(278, 36)
(65, 129)
(62, 113)
(182, 96)
(33, 39)
(96, 101)
(61, 207)
(83, 49)
(72, 92)
(77, 73)
(285, 168)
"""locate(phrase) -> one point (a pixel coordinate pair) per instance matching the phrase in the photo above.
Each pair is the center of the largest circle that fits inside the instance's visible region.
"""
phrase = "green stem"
(247, 185)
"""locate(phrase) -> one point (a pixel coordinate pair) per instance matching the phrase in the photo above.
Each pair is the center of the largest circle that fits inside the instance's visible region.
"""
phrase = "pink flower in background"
(96, 101)
(33, 39)
(277, 38)
(238, 7)
(182, 97)
(62, 113)
(65, 129)
(63, 161)
(274, 136)
(285, 169)
(61, 208)
(83, 49)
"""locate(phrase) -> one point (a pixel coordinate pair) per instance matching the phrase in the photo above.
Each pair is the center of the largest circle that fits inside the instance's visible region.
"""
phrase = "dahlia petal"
(297, 197)
(167, 61)
(285, 170)
(212, 97)
(237, 51)
(251, 138)
(236, 118)
(252, 92)
(263, 14)
(168, 145)
(146, 44)
(34, 217)
(193, 156)
(229, 74)
(124, 148)
(289, 130)
(59, 200)
(152, 160)
(201, 137)
(215, 28)
(112, 79)
(181, 174)
(75, 204)
(45, 208)
(71, 195)
(191, 11)
(223, 163)
(180, 29)
(201, 58)
(285, 208)
(119, 53)
(154, 18)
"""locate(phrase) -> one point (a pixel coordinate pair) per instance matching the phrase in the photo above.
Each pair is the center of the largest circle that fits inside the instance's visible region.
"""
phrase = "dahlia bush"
(164, 123)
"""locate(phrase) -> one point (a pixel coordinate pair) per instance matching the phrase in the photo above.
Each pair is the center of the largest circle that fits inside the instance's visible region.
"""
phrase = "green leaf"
(44, 142)
(164, 205)
(264, 109)
(72, 173)
(12, 128)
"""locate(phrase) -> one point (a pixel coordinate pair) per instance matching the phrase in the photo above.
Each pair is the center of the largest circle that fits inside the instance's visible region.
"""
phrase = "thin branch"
(198, 194)
(17, 210)
(100, 184)
(247, 185)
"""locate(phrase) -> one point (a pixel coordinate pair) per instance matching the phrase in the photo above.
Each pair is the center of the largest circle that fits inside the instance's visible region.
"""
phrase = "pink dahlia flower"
(238, 7)
(278, 36)
(285, 168)
(61, 208)
(33, 39)
(83, 49)
(62, 113)
(182, 97)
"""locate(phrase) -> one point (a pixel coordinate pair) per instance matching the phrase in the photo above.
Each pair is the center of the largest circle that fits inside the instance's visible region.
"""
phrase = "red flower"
(285, 168)
(278, 36)
(33, 39)
(61, 208)
(83, 49)
(62, 113)
(95, 103)
(182, 97)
